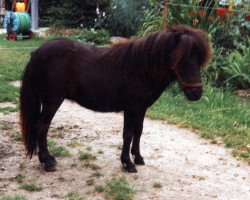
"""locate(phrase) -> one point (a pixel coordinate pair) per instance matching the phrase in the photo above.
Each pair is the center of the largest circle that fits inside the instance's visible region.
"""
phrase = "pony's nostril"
(193, 94)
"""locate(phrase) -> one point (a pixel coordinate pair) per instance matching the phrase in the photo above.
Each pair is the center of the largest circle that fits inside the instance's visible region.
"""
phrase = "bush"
(152, 20)
(215, 74)
(238, 69)
(125, 17)
(70, 13)
(98, 37)
(92, 36)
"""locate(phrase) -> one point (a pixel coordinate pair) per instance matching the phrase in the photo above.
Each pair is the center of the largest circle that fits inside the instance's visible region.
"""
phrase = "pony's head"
(192, 52)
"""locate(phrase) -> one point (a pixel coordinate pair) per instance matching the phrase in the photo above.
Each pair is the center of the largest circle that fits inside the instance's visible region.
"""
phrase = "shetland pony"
(128, 77)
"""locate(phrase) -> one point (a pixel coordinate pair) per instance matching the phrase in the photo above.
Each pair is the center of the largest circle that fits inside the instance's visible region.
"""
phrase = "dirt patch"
(7, 104)
(245, 94)
(183, 164)
(16, 83)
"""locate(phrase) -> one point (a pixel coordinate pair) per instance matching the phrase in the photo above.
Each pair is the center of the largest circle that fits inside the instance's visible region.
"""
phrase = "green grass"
(7, 110)
(56, 150)
(119, 189)
(117, 146)
(218, 114)
(86, 156)
(22, 165)
(157, 185)
(57, 134)
(74, 196)
(74, 144)
(19, 178)
(92, 166)
(32, 187)
(5, 126)
(12, 63)
(99, 188)
(97, 175)
(16, 137)
(90, 182)
(15, 197)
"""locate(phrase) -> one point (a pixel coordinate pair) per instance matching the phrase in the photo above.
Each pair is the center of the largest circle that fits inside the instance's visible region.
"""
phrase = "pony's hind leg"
(43, 124)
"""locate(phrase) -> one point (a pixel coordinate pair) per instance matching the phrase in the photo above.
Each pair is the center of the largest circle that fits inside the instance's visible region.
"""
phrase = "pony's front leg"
(127, 139)
(138, 127)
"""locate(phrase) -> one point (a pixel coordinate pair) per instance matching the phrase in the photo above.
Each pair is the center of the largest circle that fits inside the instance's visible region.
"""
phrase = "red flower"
(222, 11)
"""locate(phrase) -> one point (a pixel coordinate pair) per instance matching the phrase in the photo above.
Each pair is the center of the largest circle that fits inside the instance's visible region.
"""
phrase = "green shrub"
(239, 68)
(152, 20)
(125, 17)
(215, 74)
(70, 13)
(98, 37)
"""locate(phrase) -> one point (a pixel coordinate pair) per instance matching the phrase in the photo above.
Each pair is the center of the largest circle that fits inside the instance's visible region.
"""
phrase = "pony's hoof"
(49, 163)
(131, 169)
(50, 168)
(139, 161)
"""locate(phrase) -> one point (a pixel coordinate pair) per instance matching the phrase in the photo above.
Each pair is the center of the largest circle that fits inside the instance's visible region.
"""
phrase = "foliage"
(98, 37)
(70, 13)
(228, 34)
(215, 73)
(239, 68)
(92, 36)
(125, 17)
(152, 20)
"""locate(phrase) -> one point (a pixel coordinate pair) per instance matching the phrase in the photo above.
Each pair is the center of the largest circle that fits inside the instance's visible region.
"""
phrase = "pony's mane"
(163, 47)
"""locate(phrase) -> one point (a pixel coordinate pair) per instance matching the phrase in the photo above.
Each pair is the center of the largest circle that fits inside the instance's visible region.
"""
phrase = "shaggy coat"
(128, 76)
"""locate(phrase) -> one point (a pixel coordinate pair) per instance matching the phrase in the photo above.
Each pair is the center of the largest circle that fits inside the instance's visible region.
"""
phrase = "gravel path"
(186, 166)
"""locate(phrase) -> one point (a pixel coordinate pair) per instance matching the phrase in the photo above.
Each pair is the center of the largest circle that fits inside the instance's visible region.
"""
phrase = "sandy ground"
(186, 166)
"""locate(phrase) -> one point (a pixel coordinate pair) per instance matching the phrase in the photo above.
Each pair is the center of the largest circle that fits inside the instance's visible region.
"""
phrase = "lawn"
(219, 115)
(13, 58)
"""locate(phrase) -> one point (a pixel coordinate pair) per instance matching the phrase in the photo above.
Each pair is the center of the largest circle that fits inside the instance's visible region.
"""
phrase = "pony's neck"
(149, 56)
(153, 55)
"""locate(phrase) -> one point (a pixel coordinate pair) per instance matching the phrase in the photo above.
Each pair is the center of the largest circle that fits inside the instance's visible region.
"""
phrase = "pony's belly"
(100, 105)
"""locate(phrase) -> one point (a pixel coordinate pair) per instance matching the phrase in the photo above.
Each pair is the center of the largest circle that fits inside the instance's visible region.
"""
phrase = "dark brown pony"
(127, 77)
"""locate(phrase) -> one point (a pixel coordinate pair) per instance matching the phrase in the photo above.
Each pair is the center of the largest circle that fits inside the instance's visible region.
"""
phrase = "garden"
(221, 117)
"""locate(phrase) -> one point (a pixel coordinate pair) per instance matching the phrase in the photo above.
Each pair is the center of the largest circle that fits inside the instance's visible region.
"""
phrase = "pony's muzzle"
(193, 94)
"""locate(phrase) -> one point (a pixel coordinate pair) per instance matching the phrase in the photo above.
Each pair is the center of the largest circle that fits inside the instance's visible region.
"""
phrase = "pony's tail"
(30, 108)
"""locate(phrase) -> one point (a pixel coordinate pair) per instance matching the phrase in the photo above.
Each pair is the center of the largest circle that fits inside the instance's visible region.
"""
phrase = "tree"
(70, 13)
